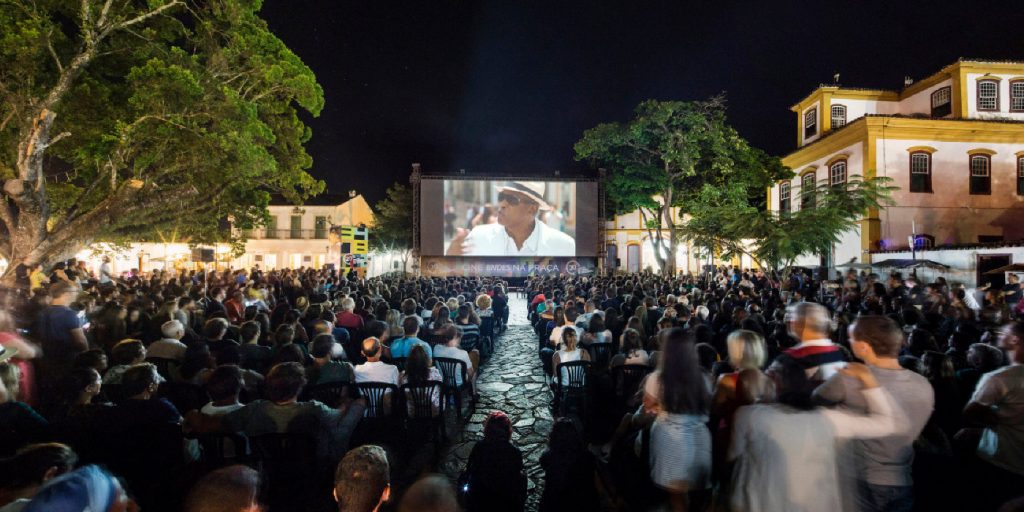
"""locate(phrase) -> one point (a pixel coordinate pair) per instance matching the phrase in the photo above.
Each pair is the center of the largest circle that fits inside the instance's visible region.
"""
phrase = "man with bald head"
(810, 323)
(375, 370)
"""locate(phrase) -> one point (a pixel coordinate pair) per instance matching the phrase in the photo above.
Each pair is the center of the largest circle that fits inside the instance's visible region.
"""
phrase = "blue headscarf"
(86, 489)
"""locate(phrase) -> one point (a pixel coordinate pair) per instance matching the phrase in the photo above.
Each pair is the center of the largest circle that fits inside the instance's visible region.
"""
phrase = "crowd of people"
(765, 392)
(247, 387)
(732, 390)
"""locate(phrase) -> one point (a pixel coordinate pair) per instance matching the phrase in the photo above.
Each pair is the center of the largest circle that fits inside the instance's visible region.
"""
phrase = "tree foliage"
(775, 239)
(392, 223)
(675, 159)
(119, 119)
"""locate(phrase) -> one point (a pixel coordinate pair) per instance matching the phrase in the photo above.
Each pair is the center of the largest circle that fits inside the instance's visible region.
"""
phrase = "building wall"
(971, 84)
(856, 108)
(951, 214)
(854, 154)
(921, 101)
(963, 263)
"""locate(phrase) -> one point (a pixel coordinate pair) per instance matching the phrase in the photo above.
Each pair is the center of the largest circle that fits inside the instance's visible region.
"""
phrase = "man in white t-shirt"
(106, 271)
(519, 231)
(374, 370)
(998, 405)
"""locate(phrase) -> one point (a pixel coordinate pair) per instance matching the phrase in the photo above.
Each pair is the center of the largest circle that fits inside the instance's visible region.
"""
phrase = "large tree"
(672, 159)
(392, 223)
(120, 118)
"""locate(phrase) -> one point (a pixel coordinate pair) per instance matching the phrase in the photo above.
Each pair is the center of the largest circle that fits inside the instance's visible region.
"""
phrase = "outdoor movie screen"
(508, 218)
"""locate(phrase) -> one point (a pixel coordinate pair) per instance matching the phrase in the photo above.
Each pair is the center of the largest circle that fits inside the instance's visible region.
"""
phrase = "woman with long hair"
(467, 321)
(442, 318)
(134, 322)
(631, 350)
(679, 395)
(568, 353)
(418, 370)
(596, 331)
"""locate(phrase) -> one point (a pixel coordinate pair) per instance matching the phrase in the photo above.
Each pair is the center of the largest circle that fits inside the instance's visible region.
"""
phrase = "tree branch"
(53, 53)
(143, 17)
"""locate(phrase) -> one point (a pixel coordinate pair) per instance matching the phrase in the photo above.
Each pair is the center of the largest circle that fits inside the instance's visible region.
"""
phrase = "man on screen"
(518, 231)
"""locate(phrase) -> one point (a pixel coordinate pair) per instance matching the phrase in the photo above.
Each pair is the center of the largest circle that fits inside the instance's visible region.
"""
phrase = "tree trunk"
(669, 269)
(656, 241)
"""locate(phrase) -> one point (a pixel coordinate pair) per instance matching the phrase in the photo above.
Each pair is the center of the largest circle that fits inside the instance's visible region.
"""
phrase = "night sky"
(508, 86)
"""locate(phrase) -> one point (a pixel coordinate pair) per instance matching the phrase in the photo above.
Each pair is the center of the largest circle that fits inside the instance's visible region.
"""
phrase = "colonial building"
(297, 236)
(953, 143)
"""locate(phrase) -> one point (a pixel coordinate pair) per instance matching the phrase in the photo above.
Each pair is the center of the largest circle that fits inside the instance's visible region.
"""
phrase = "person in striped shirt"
(810, 323)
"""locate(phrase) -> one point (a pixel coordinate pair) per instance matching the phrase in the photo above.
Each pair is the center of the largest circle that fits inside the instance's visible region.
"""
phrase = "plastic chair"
(627, 379)
(601, 354)
(450, 369)
(487, 335)
(223, 449)
(419, 410)
(574, 385)
(330, 394)
(374, 392)
(470, 341)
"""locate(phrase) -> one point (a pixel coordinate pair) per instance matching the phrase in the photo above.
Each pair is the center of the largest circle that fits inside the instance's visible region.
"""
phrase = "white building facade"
(954, 145)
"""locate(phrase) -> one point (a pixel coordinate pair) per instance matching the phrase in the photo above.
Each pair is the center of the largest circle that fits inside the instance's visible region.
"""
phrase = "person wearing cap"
(518, 231)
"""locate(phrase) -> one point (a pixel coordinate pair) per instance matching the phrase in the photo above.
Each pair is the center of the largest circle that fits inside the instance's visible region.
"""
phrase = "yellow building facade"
(953, 144)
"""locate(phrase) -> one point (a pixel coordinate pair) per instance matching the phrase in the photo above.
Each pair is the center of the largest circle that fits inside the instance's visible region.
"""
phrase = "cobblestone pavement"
(510, 381)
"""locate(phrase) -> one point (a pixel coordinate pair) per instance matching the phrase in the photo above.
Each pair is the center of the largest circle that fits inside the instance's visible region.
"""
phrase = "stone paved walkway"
(510, 381)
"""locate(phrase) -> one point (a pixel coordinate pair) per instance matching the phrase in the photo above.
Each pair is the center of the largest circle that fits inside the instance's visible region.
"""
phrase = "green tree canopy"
(392, 223)
(122, 118)
(675, 159)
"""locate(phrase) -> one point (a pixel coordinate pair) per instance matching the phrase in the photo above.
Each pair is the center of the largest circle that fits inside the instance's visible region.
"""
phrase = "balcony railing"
(286, 234)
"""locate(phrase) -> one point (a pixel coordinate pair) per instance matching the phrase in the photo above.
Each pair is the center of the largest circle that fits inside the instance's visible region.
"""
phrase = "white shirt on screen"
(493, 240)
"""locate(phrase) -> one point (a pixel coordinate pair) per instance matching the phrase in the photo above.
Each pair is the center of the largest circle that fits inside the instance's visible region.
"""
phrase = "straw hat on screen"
(532, 190)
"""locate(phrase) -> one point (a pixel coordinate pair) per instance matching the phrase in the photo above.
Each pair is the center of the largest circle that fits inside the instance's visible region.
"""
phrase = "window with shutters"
(920, 172)
(1017, 96)
(838, 116)
(988, 95)
(784, 198)
(271, 231)
(811, 123)
(320, 227)
(837, 173)
(807, 191)
(981, 174)
(941, 102)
